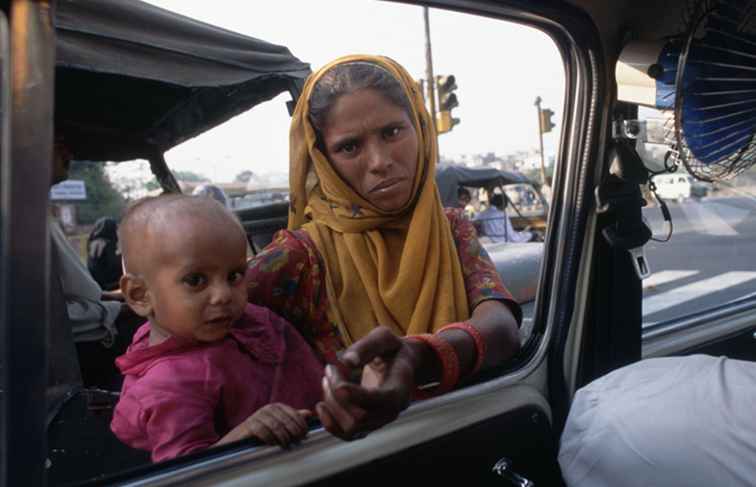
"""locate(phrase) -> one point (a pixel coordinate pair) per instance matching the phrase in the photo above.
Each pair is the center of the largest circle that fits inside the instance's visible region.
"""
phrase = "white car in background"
(679, 187)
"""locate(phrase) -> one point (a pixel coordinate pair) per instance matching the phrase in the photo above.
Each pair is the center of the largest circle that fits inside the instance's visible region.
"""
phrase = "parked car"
(500, 429)
(679, 187)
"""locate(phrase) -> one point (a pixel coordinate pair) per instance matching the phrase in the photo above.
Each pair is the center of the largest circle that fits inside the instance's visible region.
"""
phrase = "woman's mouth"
(385, 185)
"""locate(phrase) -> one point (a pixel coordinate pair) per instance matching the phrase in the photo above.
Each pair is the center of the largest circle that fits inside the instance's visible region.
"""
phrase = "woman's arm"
(286, 278)
(498, 328)
(394, 366)
(397, 365)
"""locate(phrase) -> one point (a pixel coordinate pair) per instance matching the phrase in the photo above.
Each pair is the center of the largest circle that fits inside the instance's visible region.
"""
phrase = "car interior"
(127, 80)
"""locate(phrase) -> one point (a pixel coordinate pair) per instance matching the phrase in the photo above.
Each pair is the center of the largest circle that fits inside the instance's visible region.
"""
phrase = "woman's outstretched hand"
(388, 366)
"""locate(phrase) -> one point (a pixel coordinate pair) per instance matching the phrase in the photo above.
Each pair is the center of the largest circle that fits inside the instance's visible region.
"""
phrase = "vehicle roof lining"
(639, 19)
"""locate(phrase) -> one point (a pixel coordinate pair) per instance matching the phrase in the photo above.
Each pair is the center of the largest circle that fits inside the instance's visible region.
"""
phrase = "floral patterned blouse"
(287, 277)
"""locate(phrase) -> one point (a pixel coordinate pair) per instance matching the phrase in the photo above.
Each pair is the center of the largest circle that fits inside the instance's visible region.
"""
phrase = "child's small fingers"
(304, 415)
(278, 435)
(289, 420)
(260, 430)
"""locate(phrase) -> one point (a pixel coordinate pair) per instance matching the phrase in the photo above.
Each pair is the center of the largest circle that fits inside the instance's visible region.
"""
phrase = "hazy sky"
(500, 68)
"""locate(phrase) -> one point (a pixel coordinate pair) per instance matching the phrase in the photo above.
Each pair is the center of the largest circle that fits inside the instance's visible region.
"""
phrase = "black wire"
(665, 213)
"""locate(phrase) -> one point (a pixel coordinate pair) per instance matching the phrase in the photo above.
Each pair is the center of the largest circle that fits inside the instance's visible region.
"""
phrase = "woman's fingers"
(341, 407)
(338, 415)
(371, 399)
(329, 423)
(379, 342)
(351, 409)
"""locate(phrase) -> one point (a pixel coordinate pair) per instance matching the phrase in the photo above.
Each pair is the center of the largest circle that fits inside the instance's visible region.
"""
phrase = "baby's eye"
(194, 280)
(235, 277)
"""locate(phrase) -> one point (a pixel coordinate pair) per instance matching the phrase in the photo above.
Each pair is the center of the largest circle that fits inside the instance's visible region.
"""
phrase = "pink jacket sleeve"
(167, 412)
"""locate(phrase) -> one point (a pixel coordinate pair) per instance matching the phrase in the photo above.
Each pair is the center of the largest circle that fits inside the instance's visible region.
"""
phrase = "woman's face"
(372, 145)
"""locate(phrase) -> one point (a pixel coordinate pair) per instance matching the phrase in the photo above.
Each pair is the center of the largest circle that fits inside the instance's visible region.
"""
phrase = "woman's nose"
(379, 158)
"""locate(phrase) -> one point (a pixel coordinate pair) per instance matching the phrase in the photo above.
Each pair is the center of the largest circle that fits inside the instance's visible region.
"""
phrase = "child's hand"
(277, 424)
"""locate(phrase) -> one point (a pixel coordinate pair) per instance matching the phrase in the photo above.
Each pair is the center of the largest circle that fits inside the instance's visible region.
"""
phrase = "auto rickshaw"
(527, 208)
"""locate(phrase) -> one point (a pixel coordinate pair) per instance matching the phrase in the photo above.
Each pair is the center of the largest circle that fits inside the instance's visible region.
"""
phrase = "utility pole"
(540, 140)
(429, 68)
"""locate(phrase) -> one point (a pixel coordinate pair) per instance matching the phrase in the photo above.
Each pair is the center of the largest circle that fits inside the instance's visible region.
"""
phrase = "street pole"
(540, 140)
(429, 68)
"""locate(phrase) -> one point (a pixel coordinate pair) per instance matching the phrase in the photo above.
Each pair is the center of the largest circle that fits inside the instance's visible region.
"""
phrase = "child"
(207, 368)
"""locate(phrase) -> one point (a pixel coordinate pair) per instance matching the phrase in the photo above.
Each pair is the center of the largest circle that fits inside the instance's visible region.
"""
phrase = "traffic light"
(446, 97)
(447, 101)
(546, 123)
(445, 122)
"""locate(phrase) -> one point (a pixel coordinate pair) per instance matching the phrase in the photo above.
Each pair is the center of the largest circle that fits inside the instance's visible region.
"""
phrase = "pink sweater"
(179, 396)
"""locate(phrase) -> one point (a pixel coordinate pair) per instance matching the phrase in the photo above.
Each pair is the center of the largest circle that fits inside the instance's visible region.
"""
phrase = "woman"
(372, 267)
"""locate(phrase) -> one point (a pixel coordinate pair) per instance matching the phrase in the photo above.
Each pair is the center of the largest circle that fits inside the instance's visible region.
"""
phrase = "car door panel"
(523, 436)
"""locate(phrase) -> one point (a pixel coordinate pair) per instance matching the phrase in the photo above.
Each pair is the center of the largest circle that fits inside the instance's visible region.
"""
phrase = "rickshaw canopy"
(133, 79)
(449, 177)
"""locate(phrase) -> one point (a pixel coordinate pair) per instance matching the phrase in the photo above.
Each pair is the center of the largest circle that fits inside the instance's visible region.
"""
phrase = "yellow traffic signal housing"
(445, 85)
(545, 119)
(445, 122)
(447, 100)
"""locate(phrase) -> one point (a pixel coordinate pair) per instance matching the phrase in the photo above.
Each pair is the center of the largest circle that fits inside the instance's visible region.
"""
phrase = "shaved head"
(151, 223)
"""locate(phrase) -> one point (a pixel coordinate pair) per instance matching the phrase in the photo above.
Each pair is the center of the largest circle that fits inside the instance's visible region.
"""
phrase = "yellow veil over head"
(400, 268)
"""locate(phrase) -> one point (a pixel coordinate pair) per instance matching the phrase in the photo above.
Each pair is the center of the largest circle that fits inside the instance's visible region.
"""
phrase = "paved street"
(710, 260)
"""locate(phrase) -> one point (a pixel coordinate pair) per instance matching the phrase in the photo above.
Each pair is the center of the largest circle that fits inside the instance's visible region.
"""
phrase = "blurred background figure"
(211, 191)
(103, 255)
(494, 223)
(463, 197)
(464, 202)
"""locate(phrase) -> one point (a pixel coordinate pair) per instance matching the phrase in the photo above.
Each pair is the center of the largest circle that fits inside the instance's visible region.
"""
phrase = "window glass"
(508, 108)
(709, 260)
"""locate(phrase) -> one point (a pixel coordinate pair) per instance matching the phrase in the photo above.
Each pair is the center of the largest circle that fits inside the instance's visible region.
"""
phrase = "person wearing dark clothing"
(103, 256)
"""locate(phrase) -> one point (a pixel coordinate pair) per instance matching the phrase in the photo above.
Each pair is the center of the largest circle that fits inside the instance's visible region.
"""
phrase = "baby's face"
(197, 284)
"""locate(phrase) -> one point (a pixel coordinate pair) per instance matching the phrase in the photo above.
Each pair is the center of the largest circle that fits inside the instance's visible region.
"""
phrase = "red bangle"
(449, 365)
(480, 343)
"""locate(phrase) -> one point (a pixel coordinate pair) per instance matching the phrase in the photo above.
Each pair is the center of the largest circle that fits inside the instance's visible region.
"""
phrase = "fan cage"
(698, 15)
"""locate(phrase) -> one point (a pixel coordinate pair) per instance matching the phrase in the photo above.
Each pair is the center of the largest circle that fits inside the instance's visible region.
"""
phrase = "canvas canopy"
(133, 79)
(449, 177)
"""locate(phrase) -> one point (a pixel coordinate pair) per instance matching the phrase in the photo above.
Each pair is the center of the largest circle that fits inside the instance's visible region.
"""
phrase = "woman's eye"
(236, 277)
(348, 148)
(194, 280)
(391, 132)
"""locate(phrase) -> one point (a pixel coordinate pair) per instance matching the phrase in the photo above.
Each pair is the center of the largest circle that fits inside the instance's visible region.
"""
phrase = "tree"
(186, 176)
(102, 198)
(190, 177)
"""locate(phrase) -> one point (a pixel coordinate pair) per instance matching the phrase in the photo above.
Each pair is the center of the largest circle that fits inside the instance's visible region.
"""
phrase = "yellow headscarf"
(399, 269)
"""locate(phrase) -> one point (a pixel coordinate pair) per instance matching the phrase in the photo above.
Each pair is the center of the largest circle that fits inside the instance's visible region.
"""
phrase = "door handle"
(503, 469)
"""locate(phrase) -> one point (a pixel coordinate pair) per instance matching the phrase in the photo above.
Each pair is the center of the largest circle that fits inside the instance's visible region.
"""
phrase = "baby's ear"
(135, 292)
